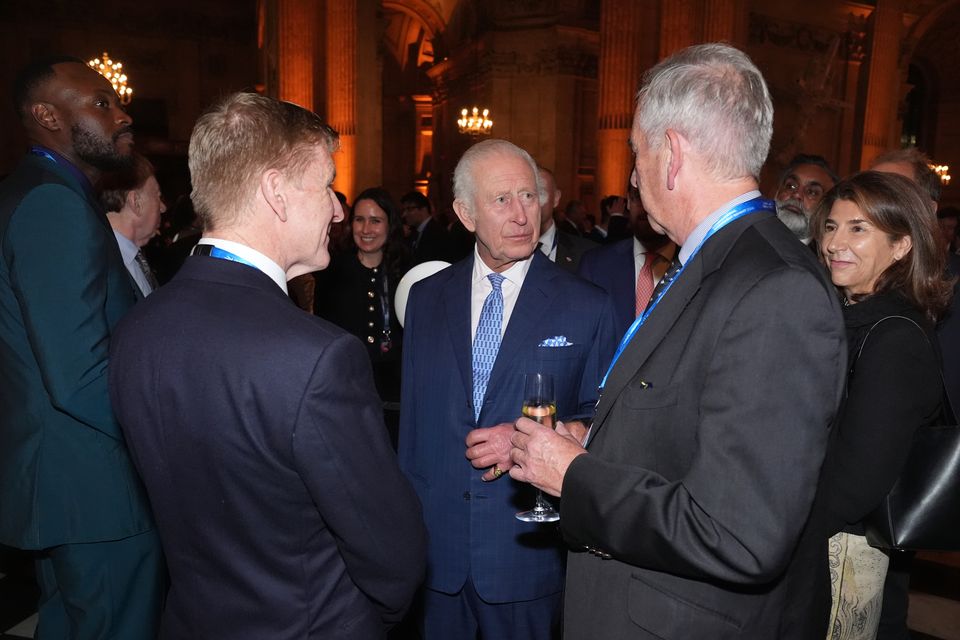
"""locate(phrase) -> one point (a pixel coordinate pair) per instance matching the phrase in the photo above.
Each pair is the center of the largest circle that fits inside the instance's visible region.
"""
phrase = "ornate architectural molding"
(805, 37)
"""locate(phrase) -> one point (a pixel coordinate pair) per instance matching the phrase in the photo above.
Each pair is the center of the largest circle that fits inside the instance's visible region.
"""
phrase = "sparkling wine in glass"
(540, 405)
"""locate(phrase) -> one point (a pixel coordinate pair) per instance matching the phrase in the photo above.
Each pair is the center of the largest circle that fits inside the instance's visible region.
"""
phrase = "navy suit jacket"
(471, 523)
(611, 268)
(260, 439)
(65, 476)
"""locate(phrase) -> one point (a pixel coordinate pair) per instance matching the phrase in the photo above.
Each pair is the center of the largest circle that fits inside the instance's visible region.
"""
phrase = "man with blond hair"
(256, 427)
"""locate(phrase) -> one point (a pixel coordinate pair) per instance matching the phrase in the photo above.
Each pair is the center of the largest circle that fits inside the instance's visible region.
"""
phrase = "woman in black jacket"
(356, 291)
(878, 238)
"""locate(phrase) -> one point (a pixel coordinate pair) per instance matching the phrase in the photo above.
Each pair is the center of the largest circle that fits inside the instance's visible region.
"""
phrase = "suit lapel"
(624, 285)
(564, 248)
(665, 315)
(456, 307)
(648, 338)
(534, 297)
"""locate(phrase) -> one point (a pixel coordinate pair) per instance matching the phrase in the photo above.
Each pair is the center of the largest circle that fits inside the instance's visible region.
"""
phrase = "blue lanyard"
(746, 208)
(71, 168)
(217, 252)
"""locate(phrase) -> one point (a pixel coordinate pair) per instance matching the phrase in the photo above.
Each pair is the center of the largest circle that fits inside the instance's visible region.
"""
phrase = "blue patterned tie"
(487, 342)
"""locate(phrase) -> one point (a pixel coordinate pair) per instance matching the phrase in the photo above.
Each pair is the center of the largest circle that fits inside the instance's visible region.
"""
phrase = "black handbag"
(922, 511)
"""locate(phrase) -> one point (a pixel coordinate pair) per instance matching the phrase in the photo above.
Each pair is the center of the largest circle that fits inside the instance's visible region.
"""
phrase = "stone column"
(622, 61)
(680, 24)
(297, 22)
(342, 89)
(722, 20)
(880, 120)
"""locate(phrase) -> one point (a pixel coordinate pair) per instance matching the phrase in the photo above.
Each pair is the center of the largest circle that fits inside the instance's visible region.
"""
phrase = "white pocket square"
(558, 341)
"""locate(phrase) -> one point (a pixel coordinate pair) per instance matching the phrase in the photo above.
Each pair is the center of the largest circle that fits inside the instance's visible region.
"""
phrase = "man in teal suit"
(67, 487)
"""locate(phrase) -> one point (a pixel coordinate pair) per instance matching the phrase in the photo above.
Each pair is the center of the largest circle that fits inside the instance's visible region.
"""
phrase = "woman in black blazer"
(356, 291)
(878, 238)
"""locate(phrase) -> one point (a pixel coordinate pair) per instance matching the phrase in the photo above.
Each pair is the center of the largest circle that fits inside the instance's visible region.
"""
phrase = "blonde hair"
(238, 139)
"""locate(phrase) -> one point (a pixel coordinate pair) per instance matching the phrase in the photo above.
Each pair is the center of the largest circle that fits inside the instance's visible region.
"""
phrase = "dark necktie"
(147, 271)
(667, 278)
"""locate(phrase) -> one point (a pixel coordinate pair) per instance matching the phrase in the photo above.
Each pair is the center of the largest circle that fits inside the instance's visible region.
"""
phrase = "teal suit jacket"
(65, 474)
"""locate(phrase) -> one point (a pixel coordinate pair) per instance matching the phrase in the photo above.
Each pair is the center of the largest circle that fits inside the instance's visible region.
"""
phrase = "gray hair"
(464, 185)
(717, 99)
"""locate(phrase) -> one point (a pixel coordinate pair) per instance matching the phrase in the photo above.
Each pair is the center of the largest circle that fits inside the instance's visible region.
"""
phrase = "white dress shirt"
(640, 258)
(254, 257)
(481, 288)
(129, 251)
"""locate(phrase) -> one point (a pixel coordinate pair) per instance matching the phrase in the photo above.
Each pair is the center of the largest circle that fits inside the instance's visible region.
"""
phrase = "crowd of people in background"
(737, 379)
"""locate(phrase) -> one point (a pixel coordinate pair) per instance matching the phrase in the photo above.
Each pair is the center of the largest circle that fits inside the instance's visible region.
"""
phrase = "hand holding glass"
(540, 405)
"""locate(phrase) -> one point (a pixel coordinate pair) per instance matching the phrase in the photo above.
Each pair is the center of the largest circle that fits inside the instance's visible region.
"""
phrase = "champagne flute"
(539, 404)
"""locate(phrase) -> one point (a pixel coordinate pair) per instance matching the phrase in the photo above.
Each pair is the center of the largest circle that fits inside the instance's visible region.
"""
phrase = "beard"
(647, 235)
(798, 223)
(98, 151)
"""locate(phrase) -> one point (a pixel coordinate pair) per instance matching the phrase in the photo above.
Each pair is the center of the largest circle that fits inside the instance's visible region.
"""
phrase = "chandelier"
(943, 172)
(112, 70)
(475, 123)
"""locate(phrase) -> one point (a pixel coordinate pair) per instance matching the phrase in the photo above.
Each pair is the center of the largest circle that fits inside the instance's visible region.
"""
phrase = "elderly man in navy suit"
(471, 331)
(256, 426)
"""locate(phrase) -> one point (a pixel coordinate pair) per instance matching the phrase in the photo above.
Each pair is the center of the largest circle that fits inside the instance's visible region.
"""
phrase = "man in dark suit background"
(471, 331)
(134, 205)
(429, 239)
(561, 247)
(629, 269)
(256, 427)
(67, 487)
(685, 508)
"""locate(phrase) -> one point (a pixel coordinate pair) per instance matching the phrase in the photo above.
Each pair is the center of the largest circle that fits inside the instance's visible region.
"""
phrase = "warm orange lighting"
(943, 171)
(475, 123)
(112, 70)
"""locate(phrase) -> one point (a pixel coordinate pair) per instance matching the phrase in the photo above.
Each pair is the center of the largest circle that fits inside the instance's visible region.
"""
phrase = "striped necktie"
(147, 271)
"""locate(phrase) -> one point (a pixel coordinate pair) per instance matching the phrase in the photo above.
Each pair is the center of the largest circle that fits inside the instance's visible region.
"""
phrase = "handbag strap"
(948, 413)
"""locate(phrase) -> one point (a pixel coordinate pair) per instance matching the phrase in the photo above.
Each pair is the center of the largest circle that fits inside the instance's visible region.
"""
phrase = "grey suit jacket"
(706, 447)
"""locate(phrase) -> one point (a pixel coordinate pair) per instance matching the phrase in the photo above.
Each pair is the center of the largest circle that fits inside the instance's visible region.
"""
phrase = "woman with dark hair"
(356, 291)
(878, 238)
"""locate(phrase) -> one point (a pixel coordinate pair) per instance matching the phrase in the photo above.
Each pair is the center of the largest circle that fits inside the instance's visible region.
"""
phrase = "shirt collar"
(254, 257)
(128, 249)
(515, 274)
(700, 231)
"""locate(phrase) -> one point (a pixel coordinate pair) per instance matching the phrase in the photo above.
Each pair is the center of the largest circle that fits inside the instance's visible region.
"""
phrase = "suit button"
(369, 294)
(466, 496)
(370, 308)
